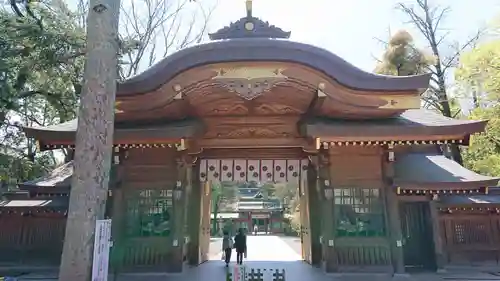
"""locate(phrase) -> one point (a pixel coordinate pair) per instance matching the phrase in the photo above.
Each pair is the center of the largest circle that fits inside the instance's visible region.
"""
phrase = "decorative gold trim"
(388, 142)
(401, 102)
(401, 191)
(117, 109)
(249, 73)
(451, 209)
(180, 146)
(318, 143)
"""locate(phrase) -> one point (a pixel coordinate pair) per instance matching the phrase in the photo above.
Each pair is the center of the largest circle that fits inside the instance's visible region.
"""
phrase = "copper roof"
(264, 49)
(469, 200)
(57, 203)
(65, 132)
(59, 177)
(420, 170)
(413, 122)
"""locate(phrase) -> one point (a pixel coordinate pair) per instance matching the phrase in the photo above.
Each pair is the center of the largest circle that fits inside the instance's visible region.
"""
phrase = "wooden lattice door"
(416, 225)
(147, 228)
(205, 222)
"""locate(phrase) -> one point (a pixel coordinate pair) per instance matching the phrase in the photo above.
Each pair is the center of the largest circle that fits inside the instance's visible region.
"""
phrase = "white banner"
(239, 273)
(102, 246)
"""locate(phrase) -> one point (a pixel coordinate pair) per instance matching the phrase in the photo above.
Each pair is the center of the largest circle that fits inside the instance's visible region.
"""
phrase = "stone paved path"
(264, 252)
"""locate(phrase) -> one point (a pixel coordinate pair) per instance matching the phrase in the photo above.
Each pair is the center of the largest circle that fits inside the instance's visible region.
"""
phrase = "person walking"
(227, 247)
(240, 244)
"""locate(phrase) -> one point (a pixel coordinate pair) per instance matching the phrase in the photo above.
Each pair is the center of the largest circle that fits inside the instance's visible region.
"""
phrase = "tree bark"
(94, 140)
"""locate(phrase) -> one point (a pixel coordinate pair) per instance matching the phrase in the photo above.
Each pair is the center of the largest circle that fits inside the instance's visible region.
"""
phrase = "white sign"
(102, 245)
(239, 273)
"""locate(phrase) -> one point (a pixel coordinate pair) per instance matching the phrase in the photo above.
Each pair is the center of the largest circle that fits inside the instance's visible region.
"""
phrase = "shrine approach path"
(264, 252)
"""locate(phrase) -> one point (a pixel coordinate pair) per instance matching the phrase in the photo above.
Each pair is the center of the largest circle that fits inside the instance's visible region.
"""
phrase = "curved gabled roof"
(264, 49)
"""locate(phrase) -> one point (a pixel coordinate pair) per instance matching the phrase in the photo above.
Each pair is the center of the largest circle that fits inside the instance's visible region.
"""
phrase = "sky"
(348, 28)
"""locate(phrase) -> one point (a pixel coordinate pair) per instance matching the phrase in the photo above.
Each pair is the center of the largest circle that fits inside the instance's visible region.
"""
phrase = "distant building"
(253, 209)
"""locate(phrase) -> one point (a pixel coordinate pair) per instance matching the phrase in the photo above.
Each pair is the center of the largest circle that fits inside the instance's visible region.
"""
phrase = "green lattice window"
(359, 212)
(149, 213)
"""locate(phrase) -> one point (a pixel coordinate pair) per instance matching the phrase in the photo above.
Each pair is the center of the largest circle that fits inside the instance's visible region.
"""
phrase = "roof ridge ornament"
(249, 27)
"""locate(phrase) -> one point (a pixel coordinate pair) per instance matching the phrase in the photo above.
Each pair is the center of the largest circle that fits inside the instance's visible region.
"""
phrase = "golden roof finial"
(249, 8)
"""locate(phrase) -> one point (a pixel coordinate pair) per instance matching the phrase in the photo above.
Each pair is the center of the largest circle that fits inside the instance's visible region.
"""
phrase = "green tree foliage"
(479, 69)
(479, 73)
(225, 193)
(483, 155)
(42, 48)
(41, 55)
(40, 72)
(402, 57)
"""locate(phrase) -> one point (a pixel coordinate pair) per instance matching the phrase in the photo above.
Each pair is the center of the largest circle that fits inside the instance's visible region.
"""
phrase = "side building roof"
(60, 177)
(65, 133)
(423, 171)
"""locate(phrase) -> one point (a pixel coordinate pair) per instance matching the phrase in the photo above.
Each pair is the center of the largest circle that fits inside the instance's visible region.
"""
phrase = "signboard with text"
(102, 246)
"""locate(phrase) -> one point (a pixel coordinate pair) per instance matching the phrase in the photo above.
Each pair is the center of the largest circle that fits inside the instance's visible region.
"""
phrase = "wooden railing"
(359, 253)
(471, 239)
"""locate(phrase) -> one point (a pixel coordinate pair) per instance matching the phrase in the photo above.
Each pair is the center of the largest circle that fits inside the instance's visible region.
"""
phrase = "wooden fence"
(31, 240)
(471, 239)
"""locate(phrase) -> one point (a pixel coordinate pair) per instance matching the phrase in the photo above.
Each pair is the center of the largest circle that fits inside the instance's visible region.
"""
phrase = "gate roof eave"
(414, 124)
(261, 50)
(65, 133)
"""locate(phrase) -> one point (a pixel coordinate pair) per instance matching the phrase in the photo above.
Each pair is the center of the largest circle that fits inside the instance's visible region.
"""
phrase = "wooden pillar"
(194, 215)
(392, 212)
(436, 233)
(327, 212)
(315, 215)
(304, 221)
(178, 226)
(118, 212)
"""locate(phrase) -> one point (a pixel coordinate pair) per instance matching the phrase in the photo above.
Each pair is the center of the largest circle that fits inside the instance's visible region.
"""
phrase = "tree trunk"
(94, 141)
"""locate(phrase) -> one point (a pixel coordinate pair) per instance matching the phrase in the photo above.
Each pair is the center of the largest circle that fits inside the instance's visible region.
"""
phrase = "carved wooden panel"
(216, 102)
(251, 127)
(253, 170)
(249, 82)
(297, 86)
(278, 101)
(285, 99)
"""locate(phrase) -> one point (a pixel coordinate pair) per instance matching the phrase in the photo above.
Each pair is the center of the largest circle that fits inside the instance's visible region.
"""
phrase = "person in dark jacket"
(240, 244)
(227, 247)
